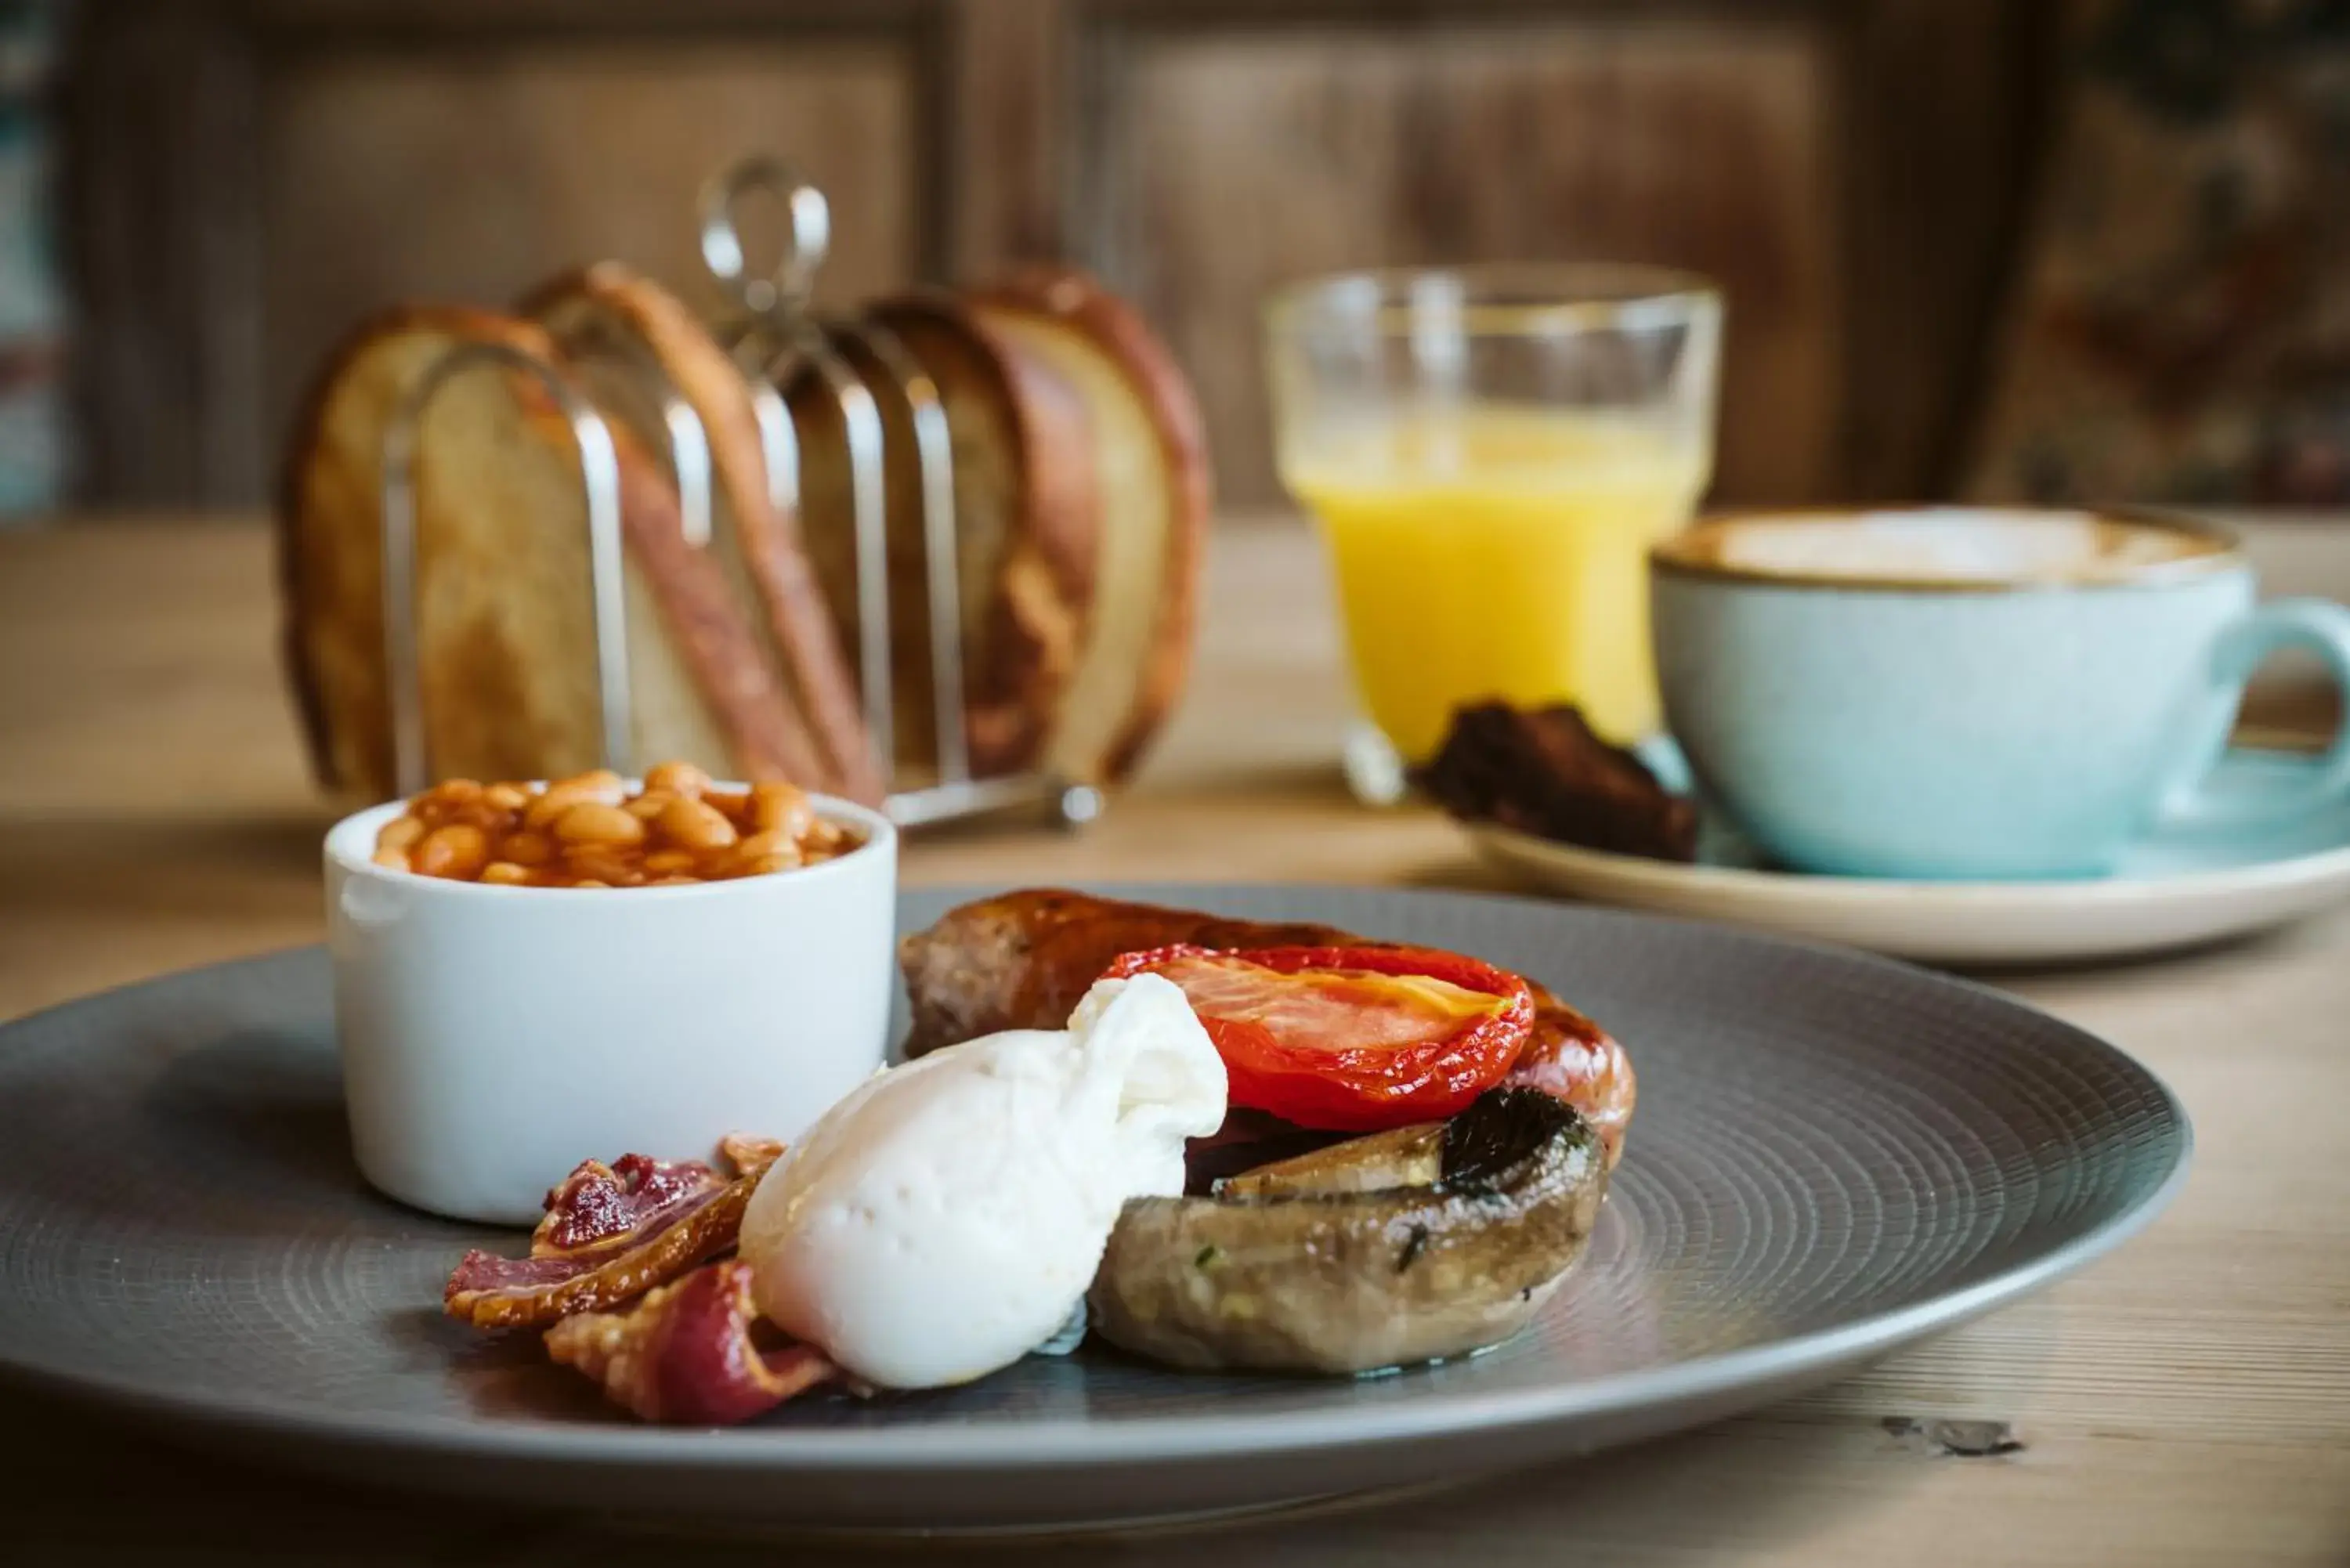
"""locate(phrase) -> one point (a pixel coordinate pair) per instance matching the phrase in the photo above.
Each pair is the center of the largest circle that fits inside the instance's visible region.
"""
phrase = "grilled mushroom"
(1403, 1247)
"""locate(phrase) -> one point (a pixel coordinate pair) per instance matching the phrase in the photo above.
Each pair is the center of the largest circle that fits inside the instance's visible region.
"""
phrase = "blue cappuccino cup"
(1971, 694)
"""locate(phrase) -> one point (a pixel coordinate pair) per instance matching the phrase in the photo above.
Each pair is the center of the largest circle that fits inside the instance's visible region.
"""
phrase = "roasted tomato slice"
(1351, 1039)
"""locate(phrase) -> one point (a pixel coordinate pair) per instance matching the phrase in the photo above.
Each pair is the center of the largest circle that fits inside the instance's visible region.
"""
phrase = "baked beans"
(591, 832)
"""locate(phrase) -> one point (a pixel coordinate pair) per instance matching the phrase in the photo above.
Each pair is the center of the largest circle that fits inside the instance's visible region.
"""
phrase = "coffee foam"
(1952, 545)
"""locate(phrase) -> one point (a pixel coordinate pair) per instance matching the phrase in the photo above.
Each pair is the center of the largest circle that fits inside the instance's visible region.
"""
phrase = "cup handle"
(2320, 625)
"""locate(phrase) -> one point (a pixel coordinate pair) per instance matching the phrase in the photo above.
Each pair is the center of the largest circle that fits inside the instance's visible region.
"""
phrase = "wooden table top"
(2186, 1401)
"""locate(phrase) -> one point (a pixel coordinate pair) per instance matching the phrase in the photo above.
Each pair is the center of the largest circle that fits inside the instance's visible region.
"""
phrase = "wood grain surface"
(1702, 147)
(598, 150)
(245, 177)
(2186, 1401)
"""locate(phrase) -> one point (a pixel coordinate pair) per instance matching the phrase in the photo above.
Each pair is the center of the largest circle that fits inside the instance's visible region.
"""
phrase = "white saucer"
(2171, 889)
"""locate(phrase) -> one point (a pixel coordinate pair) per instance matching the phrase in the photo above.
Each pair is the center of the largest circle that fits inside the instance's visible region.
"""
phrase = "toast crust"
(721, 653)
(793, 607)
(331, 565)
(331, 627)
(1030, 604)
(1026, 646)
(1078, 301)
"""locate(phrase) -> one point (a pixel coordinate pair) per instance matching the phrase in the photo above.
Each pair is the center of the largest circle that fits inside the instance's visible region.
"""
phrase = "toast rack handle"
(600, 469)
(806, 349)
(605, 335)
(808, 236)
(934, 453)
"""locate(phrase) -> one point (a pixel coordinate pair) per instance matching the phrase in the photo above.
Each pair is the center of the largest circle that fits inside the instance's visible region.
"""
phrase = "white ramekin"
(494, 1037)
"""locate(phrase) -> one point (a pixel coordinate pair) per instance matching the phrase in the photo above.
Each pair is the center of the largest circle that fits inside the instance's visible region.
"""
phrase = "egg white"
(947, 1217)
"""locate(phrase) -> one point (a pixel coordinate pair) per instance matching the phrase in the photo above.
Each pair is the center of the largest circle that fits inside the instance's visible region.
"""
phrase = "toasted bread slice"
(1150, 457)
(504, 637)
(1025, 509)
(755, 542)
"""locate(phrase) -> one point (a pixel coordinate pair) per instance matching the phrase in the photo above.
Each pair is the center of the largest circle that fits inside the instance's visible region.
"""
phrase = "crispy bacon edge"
(611, 1233)
(599, 1203)
(686, 1355)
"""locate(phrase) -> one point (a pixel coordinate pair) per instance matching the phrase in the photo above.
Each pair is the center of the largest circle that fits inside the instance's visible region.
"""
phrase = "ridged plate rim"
(1063, 1443)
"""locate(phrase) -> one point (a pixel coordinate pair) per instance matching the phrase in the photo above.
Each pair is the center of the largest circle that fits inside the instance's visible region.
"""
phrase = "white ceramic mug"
(494, 1037)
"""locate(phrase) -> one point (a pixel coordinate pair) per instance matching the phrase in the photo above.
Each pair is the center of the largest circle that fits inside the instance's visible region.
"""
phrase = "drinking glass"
(1491, 452)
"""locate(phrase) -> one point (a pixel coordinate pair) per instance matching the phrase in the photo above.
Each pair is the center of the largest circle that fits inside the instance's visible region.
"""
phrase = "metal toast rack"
(776, 340)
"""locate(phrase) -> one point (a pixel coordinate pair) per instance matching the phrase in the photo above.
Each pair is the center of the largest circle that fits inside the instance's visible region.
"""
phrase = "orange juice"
(1487, 550)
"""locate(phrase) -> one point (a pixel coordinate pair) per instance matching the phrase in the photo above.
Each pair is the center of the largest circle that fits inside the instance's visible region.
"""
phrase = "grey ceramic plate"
(1834, 1155)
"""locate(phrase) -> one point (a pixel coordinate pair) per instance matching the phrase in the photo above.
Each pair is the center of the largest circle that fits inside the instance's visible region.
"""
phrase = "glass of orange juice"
(1491, 452)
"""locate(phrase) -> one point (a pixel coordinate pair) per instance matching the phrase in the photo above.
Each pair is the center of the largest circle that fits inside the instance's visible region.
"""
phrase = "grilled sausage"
(1022, 960)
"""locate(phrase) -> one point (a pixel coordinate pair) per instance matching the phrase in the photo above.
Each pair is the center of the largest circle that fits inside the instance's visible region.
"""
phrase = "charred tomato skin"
(1336, 1087)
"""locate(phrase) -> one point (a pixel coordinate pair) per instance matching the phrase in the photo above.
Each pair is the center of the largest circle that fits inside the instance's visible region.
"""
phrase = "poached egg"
(946, 1217)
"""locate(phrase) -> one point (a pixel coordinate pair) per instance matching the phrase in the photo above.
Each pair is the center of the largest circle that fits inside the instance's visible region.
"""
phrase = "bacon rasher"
(692, 1349)
(611, 1232)
(690, 1353)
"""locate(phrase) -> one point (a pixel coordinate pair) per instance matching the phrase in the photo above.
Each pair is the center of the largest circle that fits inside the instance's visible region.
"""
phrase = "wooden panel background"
(522, 160)
(1854, 172)
(1232, 162)
(248, 176)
